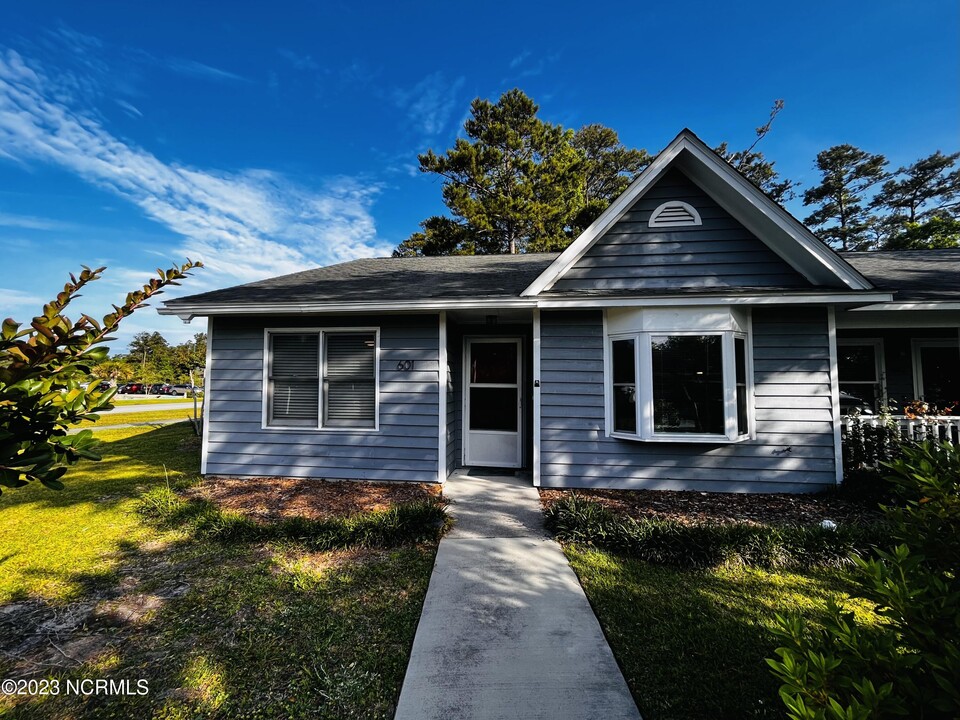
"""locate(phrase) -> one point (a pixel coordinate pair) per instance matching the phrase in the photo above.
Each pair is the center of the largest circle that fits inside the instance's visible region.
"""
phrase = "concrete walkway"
(506, 630)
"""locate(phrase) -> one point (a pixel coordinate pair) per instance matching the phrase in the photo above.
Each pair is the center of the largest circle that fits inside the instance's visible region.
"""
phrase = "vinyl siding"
(793, 451)
(405, 446)
(719, 253)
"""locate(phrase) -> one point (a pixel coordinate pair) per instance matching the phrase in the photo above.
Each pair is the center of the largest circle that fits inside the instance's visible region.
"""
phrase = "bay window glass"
(624, 386)
(687, 384)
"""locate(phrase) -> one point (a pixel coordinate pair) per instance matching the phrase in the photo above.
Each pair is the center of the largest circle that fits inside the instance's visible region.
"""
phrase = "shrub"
(401, 524)
(45, 388)
(668, 542)
(909, 666)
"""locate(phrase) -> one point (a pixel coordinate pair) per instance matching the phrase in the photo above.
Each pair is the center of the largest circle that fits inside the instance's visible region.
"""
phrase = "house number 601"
(405, 365)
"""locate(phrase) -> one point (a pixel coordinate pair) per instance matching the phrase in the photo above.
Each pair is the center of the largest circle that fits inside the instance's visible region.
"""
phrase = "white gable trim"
(809, 255)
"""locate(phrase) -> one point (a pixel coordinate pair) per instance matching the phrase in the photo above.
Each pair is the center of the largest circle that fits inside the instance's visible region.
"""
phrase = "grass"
(253, 629)
(53, 543)
(124, 418)
(692, 643)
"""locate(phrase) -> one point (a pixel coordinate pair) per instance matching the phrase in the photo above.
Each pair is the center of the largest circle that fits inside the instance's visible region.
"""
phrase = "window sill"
(308, 429)
(699, 439)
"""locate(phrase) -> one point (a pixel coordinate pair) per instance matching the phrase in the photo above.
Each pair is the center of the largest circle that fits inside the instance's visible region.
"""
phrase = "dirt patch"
(705, 507)
(274, 498)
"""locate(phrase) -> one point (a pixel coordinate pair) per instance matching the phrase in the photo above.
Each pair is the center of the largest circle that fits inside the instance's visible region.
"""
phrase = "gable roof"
(783, 233)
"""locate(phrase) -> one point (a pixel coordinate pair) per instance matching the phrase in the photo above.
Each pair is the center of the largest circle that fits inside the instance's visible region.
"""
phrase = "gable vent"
(674, 214)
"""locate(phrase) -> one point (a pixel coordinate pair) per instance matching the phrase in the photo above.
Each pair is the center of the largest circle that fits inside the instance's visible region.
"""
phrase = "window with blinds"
(294, 381)
(339, 388)
(349, 380)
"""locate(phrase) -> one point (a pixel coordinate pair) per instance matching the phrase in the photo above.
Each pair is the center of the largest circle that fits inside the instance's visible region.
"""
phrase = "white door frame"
(516, 462)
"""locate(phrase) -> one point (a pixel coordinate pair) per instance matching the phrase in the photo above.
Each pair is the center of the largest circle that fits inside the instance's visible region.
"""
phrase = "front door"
(492, 402)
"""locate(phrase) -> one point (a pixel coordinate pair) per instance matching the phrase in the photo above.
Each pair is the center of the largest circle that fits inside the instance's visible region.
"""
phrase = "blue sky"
(266, 138)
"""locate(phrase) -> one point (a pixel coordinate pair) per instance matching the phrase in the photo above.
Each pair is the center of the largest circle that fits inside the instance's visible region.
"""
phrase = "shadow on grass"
(231, 631)
(692, 643)
(129, 465)
(216, 629)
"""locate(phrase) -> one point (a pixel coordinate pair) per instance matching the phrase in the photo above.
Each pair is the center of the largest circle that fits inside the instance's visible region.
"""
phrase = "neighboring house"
(688, 339)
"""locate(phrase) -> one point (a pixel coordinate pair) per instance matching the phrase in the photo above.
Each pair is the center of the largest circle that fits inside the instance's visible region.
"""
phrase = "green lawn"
(218, 630)
(692, 643)
(109, 418)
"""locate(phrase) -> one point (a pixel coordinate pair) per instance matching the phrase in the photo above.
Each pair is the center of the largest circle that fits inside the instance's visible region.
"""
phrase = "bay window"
(678, 384)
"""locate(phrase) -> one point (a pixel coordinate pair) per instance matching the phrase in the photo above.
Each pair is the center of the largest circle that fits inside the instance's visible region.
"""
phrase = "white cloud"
(129, 108)
(243, 225)
(299, 62)
(10, 298)
(518, 60)
(29, 222)
(430, 103)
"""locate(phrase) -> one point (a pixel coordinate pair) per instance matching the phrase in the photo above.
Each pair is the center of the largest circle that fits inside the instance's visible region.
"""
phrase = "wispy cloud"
(29, 222)
(243, 225)
(518, 60)
(194, 68)
(299, 62)
(430, 103)
(531, 69)
(128, 108)
(10, 298)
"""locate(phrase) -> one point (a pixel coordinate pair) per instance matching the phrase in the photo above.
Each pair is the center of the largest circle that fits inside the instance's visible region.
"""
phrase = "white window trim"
(656, 222)
(916, 345)
(321, 332)
(643, 358)
(879, 362)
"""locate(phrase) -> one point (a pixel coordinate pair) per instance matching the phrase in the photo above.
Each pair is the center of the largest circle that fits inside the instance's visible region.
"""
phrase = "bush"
(867, 487)
(401, 524)
(910, 666)
(668, 542)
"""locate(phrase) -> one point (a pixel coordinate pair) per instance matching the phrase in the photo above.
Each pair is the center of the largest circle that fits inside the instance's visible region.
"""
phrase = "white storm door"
(492, 418)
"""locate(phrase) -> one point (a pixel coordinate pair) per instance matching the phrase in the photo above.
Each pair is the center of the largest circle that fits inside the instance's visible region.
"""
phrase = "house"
(696, 336)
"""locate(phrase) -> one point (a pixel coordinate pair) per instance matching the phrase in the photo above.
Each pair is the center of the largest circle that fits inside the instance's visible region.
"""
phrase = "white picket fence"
(942, 428)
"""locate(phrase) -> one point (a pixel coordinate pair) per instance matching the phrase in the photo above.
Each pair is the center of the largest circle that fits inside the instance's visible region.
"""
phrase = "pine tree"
(842, 218)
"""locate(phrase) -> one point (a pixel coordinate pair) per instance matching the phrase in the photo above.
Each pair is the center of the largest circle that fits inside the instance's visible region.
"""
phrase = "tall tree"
(607, 168)
(517, 183)
(149, 348)
(510, 181)
(920, 203)
(842, 218)
(756, 168)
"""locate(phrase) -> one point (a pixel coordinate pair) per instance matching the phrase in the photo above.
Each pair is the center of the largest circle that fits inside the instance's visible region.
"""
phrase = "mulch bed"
(707, 507)
(271, 498)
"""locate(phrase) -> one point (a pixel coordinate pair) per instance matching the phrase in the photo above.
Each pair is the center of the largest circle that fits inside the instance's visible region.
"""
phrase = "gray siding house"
(696, 336)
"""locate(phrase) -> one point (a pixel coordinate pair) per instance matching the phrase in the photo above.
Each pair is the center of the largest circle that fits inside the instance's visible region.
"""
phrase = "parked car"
(132, 388)
(850, 404)
(161, 389)
(185, 390)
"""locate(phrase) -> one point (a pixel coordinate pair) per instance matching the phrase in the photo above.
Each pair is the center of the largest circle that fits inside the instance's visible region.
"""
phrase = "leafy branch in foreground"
(909, 665)
(45, 374)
